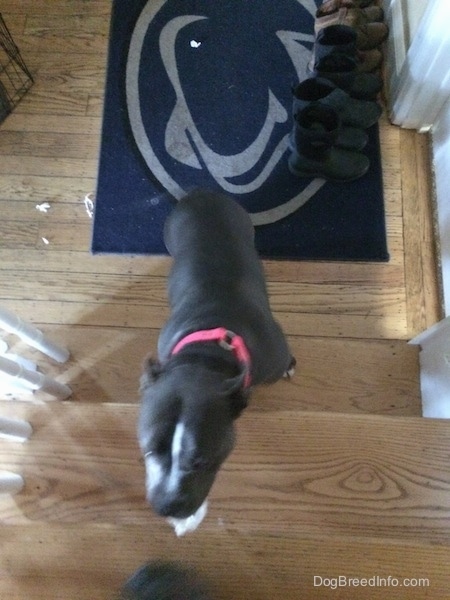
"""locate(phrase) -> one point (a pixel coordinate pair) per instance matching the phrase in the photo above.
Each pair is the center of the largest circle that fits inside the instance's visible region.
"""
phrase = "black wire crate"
(15, 78)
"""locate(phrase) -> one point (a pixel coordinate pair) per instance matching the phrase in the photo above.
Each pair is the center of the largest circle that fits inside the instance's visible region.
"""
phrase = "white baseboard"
(396, 46)
(435, 370)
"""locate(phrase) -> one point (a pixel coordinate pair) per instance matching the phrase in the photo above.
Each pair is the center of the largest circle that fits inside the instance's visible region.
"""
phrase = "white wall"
(418, 65)
(403, 18)
(413, 10)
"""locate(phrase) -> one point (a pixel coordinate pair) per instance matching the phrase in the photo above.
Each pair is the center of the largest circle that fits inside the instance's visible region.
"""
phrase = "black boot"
(353, 112)
(342, 72)
(342, 39)
(336, 59)
(316, 131)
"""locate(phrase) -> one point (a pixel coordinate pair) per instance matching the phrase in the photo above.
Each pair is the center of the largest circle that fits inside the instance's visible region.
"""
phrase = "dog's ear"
(152, 370)
(237, 394)
(234, 384)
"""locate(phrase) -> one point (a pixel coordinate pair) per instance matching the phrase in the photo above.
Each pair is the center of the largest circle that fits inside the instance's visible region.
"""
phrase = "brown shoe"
(369, 60)
(363, 3)
(370, 13)
(369, 35)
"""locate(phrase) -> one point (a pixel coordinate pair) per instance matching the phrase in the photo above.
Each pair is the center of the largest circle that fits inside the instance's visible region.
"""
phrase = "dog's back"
(217, 280)
(211, 232)
(215, 214)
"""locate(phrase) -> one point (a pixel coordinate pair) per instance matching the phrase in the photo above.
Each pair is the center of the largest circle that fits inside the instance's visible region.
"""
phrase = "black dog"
(220, 340)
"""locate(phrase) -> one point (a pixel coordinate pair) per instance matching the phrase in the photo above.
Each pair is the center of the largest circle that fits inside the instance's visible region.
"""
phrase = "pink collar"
(226, 339)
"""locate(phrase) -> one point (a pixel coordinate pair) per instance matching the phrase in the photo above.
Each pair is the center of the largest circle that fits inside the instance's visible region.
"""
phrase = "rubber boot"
(349, 138)
(316, 131)
(342, 39)
(353, 113)
(341, 70)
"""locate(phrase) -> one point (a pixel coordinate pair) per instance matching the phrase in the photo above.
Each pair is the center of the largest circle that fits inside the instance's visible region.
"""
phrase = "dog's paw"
(291, 369)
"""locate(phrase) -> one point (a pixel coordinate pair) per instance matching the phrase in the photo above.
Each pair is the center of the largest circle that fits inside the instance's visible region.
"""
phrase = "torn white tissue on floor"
(45, 240)
(43, 207)
(89, 204)
(195, 44)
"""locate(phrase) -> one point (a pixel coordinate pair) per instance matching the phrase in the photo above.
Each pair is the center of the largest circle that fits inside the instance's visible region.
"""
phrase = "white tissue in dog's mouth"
(182, 526)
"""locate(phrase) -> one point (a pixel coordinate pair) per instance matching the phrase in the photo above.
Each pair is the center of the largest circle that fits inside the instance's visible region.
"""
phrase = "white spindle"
(31, 336)
(33, 379)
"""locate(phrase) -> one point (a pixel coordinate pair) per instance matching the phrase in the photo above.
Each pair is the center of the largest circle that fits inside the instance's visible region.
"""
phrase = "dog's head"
(186, 431)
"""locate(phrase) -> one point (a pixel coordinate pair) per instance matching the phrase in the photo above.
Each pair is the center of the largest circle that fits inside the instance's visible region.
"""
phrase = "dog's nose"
(166, 510)
(178, 508)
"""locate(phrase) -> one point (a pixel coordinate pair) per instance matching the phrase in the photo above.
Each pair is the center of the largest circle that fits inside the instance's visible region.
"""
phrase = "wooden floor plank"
(73, 73)
(432, 296)
(123, 264)
(58, 167)
(38, 188)
(285, 475)
(27, 211)
(423, 307)
(61, 33)
(28, 123)
(49, 7)
(78, 145)
(45, 100)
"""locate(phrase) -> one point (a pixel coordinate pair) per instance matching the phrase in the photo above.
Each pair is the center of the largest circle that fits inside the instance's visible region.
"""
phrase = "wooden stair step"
(43, 561)
(339, 375)
(314, 473)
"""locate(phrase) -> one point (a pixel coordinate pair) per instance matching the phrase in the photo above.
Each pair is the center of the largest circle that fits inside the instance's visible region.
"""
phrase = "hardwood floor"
(335, 472)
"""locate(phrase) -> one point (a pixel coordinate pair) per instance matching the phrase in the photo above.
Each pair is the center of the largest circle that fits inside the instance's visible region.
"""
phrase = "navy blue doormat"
(198, 94)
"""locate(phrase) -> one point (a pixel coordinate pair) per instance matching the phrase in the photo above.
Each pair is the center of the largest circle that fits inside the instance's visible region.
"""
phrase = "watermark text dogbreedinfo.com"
(376, 581)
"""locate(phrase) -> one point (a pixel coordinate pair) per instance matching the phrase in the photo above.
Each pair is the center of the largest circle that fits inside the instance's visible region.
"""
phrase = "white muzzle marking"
(153, 474)
(154, 471)
(177, 440)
